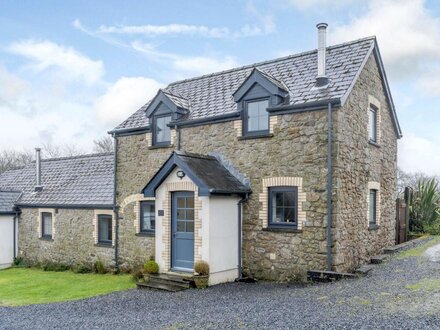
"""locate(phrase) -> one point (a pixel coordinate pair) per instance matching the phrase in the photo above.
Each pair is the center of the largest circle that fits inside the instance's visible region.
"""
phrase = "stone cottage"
(268, 170)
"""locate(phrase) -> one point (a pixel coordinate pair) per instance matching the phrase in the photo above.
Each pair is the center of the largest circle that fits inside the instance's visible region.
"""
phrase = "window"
(373, 207)
(46, 225)
(256, 117)
(147, 218)
(162, 132)
(372, 124)
(105, 230)
(283, 206)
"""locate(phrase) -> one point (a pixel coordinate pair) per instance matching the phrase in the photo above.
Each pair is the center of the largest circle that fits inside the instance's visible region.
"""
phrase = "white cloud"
(408, 35)
(12, 87)
(417, 154)
(170, 29)
(123, 98)
(186, 65)
(319, 5)
(65, 62)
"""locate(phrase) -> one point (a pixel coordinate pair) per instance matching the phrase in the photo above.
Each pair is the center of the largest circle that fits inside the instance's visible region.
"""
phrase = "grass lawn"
(26, 286)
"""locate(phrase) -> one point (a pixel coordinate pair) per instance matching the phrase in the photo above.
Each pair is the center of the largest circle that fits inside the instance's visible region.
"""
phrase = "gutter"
(329, 187)
(207, 120)
(240, 234)
(309, 106)
(126, 130)
(115, 208)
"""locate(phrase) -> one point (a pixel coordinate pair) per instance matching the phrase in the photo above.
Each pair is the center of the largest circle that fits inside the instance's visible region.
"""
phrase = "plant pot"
(201, 281)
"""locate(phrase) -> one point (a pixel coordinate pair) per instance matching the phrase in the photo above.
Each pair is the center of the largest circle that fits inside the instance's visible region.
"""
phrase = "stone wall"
(73, 242)
(356, 164)
(297, 149)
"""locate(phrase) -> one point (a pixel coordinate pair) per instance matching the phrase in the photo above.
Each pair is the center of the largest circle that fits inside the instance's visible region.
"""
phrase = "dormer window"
(161, 130)
(256, 117)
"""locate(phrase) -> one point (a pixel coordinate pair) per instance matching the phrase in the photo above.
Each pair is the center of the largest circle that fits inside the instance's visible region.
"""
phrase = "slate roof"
(207, 172)
(211, 95)
(71, 181)
(7, 200)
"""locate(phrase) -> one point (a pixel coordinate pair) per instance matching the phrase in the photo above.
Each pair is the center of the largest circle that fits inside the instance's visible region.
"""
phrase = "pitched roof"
(7, 201)
(207, 172)
(71, 181)
(211, 95)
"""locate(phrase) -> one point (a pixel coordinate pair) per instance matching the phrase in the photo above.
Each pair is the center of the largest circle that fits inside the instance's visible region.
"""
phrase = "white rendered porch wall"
(6, 240)
(223, 239)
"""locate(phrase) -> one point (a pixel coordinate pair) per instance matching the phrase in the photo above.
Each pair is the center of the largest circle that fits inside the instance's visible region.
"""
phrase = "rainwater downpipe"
(115, 208)
(240, 234)
(329, 187)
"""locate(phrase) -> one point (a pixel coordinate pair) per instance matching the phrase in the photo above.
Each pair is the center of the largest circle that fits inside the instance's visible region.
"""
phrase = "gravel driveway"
(380, 300)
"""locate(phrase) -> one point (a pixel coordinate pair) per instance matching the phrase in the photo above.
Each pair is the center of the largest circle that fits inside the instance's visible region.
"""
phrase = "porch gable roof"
(207, 173)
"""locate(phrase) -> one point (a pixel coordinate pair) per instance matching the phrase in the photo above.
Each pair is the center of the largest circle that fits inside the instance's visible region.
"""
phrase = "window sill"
(105, 245)
(49, 239)
(373, 227)
(164, 146)
(146, 234)
(257, 136)
(283, 230)
(374, 143)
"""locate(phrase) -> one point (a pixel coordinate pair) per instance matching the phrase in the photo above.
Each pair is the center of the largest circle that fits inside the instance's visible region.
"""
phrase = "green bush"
(424, 207)
(19, 262)
(82, 269)
(151, 267)
(201, 267)
(99, 267)
(50, 266)
(138, 275)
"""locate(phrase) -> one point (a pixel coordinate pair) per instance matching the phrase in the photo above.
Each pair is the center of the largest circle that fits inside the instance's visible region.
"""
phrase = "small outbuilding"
(8, 228)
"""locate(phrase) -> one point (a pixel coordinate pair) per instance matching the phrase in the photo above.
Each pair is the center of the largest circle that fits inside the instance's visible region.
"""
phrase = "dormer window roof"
(257, 76)
(176, 104)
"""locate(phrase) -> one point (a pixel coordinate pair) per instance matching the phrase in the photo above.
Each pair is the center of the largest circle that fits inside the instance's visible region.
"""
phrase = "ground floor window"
(46, 225)
(283, 207)
(373, 207)
(147, 218)
(105, 230)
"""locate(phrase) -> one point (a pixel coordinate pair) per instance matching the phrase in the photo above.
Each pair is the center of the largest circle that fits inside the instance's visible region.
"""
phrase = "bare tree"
(13, 159)
(406, 179)
(51, 150)
(104, 144)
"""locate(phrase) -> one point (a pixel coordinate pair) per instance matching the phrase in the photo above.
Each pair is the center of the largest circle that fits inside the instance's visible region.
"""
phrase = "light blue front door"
(182, 250)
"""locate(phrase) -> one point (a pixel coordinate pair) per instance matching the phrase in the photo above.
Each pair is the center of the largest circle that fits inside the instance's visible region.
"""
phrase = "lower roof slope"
(7, 201)
(71, 181)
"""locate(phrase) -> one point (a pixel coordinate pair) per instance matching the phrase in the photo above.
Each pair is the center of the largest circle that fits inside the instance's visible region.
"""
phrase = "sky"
(72, 70)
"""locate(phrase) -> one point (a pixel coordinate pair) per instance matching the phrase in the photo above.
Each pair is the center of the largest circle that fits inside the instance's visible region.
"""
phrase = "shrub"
(82, 269)
(201, 267)
(138, 275)
(425, 207)
(99, 267)
(50, 266)
(151, 267)
(19, 262)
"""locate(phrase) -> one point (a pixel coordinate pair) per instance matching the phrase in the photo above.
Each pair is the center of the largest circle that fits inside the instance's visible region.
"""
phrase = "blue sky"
(72, 70)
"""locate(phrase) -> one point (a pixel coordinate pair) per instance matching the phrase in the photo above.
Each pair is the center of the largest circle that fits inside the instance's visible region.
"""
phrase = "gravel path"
(380, 300)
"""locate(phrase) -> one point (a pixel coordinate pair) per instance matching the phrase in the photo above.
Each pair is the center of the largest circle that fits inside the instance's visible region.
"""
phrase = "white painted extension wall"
(6, 240)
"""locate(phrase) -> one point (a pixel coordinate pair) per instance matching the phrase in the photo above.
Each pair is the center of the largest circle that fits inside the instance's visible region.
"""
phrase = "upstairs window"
(161, 130)
(373, 207)
(372, 124)
(105, 230)
(46, 225)
(147, 218)
(256, 117)
(283, 207)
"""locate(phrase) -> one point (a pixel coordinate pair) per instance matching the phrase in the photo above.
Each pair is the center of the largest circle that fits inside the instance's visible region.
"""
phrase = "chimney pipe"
(321, 79)
(38, 186)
